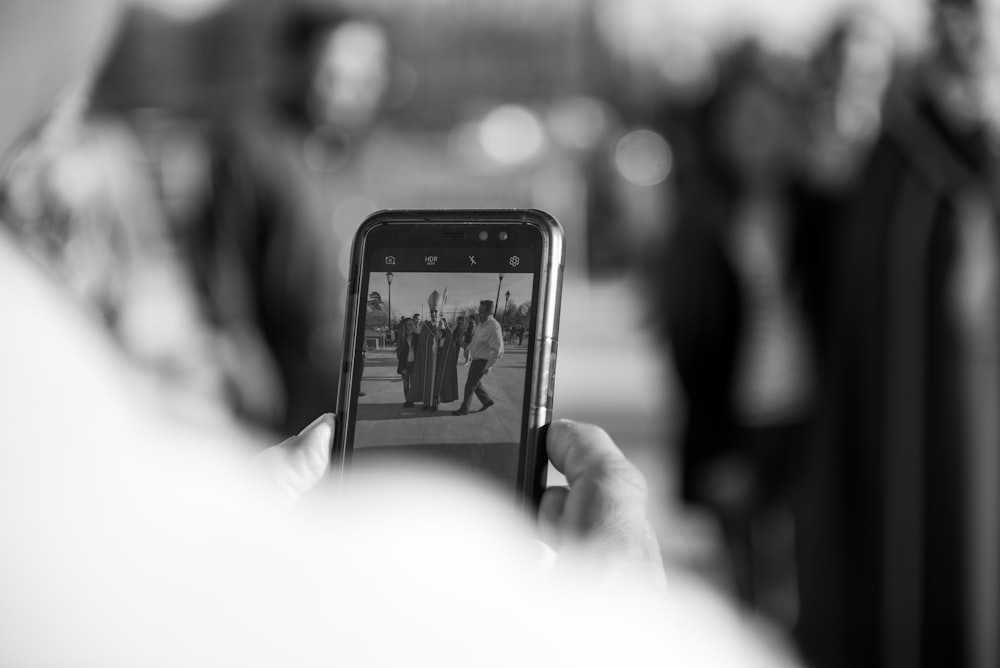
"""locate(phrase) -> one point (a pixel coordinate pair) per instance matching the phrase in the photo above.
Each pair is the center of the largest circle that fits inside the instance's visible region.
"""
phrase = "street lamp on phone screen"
(497, 302)
(388, 279)
(506, 300)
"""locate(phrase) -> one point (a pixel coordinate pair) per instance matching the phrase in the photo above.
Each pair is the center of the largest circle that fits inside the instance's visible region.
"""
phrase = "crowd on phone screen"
(429, 354)
(514, 333)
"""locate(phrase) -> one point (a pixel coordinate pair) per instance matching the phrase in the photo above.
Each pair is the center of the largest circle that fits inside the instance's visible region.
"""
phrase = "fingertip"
(562, 424)
(573, 447)
(296, 465)
(319, 431)
(326, 420)
(318, 437)
(566, 426)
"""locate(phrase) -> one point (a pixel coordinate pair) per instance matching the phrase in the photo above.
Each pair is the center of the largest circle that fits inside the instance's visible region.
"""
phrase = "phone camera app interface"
(446, 358)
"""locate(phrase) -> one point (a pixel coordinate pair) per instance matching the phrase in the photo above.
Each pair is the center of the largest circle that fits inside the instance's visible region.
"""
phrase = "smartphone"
(450, 344)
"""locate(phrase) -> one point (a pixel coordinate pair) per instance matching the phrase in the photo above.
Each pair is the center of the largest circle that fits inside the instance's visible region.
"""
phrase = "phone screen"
(442, 304)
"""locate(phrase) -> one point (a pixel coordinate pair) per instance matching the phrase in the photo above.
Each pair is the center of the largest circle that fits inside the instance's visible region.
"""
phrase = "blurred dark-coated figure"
(733, 287)
(899, 547)
(880, 291)
(267, 255)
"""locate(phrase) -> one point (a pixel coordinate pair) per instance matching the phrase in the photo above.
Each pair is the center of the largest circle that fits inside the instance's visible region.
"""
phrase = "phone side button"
(553, 347)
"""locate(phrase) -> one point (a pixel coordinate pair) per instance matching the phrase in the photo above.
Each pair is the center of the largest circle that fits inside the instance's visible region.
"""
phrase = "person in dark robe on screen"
(449, 361)
(433, 348)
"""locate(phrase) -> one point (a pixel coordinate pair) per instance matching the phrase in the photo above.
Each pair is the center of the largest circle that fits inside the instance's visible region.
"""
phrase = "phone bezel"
(532, 459)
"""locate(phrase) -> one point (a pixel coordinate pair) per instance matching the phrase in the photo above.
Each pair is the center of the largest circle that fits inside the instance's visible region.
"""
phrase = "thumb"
(296, 465)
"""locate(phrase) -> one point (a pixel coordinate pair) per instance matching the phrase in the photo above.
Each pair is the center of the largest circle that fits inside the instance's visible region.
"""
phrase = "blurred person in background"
(734, 321)
(80, 196)
(846, 79)
(849, 74)
(899, 550)
(266, 255)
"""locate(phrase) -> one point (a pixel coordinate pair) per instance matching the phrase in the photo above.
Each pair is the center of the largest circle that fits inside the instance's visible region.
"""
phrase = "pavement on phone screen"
(485, 440)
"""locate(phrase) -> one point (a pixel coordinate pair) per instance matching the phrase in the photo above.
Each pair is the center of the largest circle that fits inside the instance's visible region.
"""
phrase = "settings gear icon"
(515, 260)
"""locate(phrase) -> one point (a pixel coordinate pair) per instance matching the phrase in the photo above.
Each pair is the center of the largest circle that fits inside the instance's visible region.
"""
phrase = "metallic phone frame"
(532, 459)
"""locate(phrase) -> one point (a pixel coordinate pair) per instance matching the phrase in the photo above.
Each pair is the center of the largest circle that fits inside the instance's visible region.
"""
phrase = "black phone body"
(402, 386)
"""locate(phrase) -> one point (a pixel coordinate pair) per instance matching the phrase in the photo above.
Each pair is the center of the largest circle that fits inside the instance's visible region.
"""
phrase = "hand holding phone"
(417, 274)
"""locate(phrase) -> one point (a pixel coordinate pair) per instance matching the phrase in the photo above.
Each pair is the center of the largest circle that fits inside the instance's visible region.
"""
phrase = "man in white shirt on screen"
(485, 350)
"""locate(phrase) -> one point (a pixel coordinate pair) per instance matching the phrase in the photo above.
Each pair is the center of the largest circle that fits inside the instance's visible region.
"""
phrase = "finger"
(550, 513)
(609, 494)
(580, 450)
(296, 465)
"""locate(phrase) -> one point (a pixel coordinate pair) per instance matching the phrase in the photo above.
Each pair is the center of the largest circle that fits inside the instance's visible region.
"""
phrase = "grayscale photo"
(459, 333)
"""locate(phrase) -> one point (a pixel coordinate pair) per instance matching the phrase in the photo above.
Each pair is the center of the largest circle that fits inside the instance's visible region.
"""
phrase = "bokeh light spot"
(512, 135)
(644, 158)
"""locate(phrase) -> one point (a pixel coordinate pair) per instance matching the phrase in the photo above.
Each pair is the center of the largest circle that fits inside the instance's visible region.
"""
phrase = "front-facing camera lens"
(484, 235)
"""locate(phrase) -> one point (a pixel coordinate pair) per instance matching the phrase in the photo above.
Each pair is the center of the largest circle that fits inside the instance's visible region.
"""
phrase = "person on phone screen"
(470, 328)
(460, 335)
(427, 383)
(451, 350)
(406, 355)
(486, 349)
